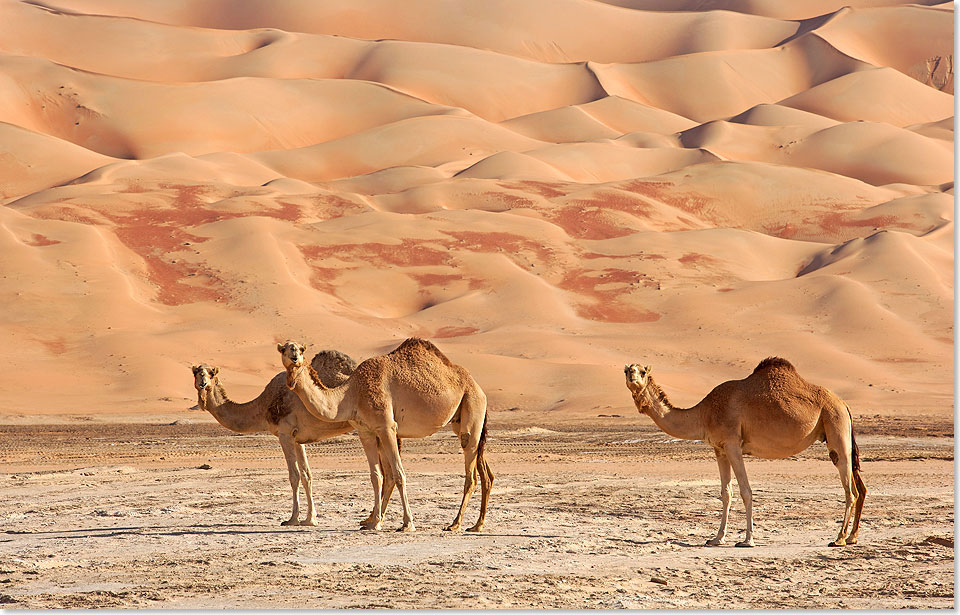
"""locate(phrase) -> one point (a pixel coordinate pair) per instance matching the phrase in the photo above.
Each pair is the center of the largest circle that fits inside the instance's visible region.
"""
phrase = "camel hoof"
(840, 542)
(290, 522)
(852, 540)
(476, 528)
(309, 522)
(453, 527)
(745, 543)
(406, 528)
(365, 525)
(713, 542)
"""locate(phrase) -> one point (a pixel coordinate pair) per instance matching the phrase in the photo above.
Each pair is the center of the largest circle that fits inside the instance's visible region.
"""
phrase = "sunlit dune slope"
(547, 190)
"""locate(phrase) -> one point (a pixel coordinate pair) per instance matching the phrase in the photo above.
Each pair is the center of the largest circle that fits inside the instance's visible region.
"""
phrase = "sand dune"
(23, 158)
(770, 8)
(924, 41)
(548, 190)
(127, 119)
(540, 30)
(875, 153)
(881, 95)
(721, 84)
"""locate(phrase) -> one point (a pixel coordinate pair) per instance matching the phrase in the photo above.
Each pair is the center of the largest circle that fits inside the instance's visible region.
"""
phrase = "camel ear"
(303, 348)
(216, 370)
(195, 369)
(647, 369)
(280, 348)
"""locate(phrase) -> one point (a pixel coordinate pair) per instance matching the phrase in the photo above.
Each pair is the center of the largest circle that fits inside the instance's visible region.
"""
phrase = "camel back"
(413, 345)
(774, 362)
(417, 365)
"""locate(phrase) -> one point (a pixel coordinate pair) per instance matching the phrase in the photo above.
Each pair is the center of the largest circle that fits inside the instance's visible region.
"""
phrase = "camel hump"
(333, 367)
(414, 345)
(774, 362)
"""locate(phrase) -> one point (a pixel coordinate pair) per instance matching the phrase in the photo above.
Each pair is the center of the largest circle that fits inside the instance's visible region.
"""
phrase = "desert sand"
(548, 190)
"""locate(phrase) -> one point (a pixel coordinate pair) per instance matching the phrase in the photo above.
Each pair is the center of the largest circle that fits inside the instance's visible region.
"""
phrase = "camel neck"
(324, 403)
(242, 418)
(683, 423)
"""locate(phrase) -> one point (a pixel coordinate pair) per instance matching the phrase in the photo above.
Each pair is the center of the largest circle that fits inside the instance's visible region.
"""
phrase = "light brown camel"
(279, 411)
(773, 413)
(412, 392)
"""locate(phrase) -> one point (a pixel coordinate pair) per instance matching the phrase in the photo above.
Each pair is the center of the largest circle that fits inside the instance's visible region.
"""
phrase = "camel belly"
(419, 417)
(773, 448)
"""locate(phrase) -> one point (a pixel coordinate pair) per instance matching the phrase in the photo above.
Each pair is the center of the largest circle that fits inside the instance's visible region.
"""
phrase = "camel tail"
(481, 445)
(855, 452)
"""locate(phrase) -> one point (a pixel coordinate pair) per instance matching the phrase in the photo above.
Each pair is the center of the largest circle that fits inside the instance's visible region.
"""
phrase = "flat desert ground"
(547, 190)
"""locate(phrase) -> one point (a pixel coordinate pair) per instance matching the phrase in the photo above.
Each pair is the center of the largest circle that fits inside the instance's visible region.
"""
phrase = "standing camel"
(278, 411)
(412, 392)
(773, 413)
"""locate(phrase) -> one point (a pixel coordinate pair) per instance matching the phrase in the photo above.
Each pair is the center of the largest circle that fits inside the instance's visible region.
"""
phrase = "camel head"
(204, 376)
(638, 377)
(291, 354)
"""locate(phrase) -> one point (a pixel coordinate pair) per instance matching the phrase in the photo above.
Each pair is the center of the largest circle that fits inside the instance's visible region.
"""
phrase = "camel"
(278, 411)
(412, 392)
(773, 413)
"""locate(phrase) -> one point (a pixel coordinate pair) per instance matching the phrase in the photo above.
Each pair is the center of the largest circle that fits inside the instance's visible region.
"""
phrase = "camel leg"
(289, 454)
(471, 427)
(839, 442)
(390, 454)
(735, 457)
(850, 495)
(388, 483)
(486, 483)
(469, 443)
(369, 442)
(725, 477)
(307, 478)
(861, 496)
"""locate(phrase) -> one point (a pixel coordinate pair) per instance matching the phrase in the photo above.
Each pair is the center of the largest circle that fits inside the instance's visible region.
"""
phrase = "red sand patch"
(330, 206)
(695, 258)
(492, 242)
(587, 222)
(323, 278)
(784, 231)
(38, 241)
(57, 346)
(511, 201)
(607, 304)
(406, 253)
(545, 189)
(435, 279)
(693, 203)
(835, 222)
(455, 332)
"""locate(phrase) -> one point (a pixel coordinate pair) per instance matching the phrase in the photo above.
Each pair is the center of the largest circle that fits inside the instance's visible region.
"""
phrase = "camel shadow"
(632, 541)
(166, 530)
(501, 535)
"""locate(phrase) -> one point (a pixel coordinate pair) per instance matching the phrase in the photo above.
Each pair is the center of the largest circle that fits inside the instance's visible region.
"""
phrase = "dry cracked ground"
(611, 515)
